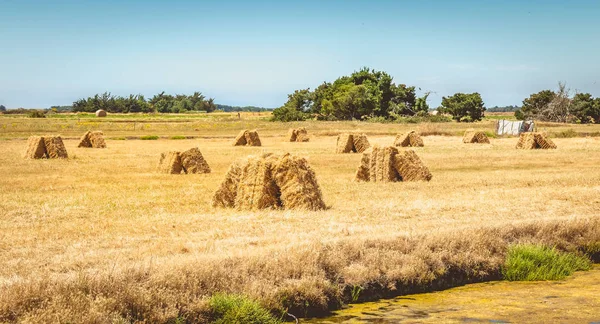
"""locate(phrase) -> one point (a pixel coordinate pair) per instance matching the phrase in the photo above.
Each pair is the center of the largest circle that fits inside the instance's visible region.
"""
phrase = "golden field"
(101, 237)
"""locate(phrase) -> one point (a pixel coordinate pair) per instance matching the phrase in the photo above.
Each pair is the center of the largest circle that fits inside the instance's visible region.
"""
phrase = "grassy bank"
(311, 280)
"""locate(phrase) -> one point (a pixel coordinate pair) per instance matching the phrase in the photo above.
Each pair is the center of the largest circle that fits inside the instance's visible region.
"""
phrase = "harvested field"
(136, 245)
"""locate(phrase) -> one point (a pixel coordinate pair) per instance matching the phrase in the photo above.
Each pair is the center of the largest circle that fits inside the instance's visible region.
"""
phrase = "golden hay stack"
(410, 167)
(270, 181)
(345, 143)
(363, 173)
(411, 138)
(36, 149)
(240, 139)
(473, 136)
(361, 143)
(55, 148)
(297, 135)
(100, 113)
(381, 167)
(227, 192)
(192, 161)
(387, 164)
(531, 140)
(97, 139)
(170, 163)
(84, 141)
(93, 139)
(252, 138)
(297, 184)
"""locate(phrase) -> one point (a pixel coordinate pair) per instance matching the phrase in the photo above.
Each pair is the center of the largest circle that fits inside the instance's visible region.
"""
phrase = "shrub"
(149, 137)
(230, 308)
(177, 137)
(36, 114)
(569, 133)
(534, 262)
(287, 114)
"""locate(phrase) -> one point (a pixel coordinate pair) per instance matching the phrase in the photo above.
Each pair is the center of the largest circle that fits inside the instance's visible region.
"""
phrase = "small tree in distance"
(463, 107)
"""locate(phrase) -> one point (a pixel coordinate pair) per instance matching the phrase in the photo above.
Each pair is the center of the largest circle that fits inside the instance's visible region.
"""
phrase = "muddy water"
(573, 300)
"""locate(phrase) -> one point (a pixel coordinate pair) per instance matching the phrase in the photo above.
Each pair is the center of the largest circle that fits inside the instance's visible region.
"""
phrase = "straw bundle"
(297, 184)
(544, 142)
(252, 138)
(302, 135)
(170, 163)
(84, 141)
(227, 192)
(270, 181)
(36, 149)
(55, 149)
(363, 172)
(381, 167)
(97, 139)
(292, 134)
(345, 143)
(411, 138)
(361, 143)
(240, 139)
(100, 113)
(410, 168)
(472, 136)
(192, 161)
(257, 188)
(530, 141)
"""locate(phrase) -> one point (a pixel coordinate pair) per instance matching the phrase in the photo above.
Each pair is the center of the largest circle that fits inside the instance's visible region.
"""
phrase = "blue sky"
(256, 52)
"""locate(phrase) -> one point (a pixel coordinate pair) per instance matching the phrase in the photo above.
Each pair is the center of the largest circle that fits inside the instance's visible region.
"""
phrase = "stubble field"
(102, 237)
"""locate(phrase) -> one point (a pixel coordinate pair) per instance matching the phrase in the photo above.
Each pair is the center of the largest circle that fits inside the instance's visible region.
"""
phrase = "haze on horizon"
(256, 52)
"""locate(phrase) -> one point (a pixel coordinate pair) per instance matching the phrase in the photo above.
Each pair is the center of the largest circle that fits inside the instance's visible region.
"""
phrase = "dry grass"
(136, 245)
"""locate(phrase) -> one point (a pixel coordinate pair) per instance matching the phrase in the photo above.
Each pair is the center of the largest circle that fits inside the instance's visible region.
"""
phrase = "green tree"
(2, 108)
(296, 108)
(585, 109)
(533, 105)
(464, 107)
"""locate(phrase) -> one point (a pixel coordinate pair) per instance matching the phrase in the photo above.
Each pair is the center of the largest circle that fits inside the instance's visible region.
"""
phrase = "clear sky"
(256, 52)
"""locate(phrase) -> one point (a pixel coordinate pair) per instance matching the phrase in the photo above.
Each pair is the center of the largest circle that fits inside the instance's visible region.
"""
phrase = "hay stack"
(297, 135)
(270, 181)
(473, 136)
(50, 147)
(92, 139)
(188, 162)
(347, 143)
(55, 149)
(257, 188)
(100, 113)
(410, 167)
(531, 141)
(192, 161)
(297, 184)
(387, 164)
(252, 138)
(227, 192)
(170, 163)
(412, 139)
(248, 138)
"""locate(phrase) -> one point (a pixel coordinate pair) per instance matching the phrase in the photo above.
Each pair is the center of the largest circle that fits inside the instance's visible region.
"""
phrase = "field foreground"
(101, 237)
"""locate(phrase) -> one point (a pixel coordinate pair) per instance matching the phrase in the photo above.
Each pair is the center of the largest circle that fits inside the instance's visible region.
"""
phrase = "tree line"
(561, 106)
(162, 103)
(368, 93)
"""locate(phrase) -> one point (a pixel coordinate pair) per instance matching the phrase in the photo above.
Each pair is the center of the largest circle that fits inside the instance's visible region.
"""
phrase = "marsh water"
(572, 300)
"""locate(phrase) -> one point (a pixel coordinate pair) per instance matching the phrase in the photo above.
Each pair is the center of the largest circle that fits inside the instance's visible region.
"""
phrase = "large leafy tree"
(464, 107)
(585, 108)
(2, 108)
(364, 93)
(533, 105)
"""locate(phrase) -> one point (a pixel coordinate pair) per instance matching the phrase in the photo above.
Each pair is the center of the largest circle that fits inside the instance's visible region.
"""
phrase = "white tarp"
(508, 127)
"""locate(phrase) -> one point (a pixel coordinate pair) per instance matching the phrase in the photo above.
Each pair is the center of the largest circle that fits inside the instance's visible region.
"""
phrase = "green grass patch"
(230, 308)
(569, 133)
(177, 137)
(149, 137)
(490, 134)
(528, 262)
